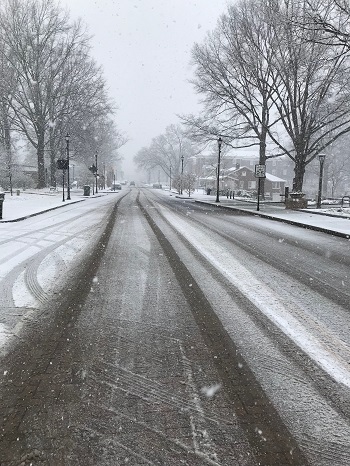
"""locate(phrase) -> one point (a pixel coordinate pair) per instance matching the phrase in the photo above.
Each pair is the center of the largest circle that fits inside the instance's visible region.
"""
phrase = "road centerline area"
(238, 379)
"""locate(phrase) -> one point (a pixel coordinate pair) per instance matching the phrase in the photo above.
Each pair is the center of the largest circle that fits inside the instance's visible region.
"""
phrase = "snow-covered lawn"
(33, 201)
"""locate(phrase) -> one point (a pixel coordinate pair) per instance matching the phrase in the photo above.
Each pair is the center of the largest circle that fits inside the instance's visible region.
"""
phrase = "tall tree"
(312, 98)
(235, 74)
(167, 151)
(31, 31)
(276, 81)
(59, 87)
(7, 86)
(78, 100)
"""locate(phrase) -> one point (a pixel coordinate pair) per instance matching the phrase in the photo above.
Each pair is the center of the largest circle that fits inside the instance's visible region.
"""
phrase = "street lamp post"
(321, 158)
(218, 171)
(68, 180)
(96, 190)
(63, 199)
(182, 170)
(170, 178)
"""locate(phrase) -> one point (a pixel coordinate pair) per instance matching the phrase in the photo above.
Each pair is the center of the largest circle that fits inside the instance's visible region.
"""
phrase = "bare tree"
(267, 80)
(235, 74)
(189, 183)
(59, 87)
(7, 86)
(80, 105)
(31, 31)
(332, 18)
(337, 167)
(167, 152)
(101, 137)
(312, 98)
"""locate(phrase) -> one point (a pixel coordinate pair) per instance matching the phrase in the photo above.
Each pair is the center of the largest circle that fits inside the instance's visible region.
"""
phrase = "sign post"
(93, 170)
(260, 172)
(62, 164)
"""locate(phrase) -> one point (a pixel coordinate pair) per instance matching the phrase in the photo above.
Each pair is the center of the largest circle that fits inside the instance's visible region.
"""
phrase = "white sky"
(144, 47)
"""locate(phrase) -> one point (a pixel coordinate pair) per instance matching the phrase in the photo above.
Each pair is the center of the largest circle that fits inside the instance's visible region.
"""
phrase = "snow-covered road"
(39, 254)
(291, 323)
(196, 323)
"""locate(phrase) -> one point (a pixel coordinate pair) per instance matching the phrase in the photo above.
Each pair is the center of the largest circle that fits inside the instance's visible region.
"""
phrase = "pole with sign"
(260, 172)
(62, 164)
(93, 170)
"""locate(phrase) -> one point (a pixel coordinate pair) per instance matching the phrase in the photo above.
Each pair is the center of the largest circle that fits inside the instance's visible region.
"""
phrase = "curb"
(283, 220)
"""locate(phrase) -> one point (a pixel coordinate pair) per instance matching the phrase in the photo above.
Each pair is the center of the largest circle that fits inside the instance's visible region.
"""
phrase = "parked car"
(132, 183)
(116, 187)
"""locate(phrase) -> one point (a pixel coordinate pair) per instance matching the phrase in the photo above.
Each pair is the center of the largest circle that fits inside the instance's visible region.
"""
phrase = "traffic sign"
(260, 171)
(62, 164)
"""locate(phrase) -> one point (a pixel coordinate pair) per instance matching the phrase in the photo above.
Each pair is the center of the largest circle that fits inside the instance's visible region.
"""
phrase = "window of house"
(241, 184)
(252, 184)
(276, 185)
(244, 173)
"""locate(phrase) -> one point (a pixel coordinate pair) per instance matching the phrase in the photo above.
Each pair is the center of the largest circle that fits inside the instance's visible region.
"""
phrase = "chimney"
(238, 165)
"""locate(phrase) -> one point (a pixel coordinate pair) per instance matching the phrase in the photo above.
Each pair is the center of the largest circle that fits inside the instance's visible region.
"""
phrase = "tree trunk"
(299, 172)
(52, 159)
(41, 160)
(7, 141)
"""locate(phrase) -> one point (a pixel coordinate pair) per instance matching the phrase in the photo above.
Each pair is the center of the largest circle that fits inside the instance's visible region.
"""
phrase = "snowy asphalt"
(54, 377)
(28, 204)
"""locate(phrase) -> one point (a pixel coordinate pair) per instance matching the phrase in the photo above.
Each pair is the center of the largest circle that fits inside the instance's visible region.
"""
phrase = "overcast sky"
(144, 47)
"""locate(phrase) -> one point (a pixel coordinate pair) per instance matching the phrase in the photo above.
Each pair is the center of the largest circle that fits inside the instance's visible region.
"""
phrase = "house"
(243, 179)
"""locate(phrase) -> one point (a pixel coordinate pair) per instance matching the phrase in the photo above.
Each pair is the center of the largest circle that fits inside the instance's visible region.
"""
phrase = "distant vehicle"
(116, 187)
(157, 186)
(132, 183)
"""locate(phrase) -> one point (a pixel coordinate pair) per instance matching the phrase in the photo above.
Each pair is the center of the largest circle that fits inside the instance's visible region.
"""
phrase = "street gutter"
(280, 219)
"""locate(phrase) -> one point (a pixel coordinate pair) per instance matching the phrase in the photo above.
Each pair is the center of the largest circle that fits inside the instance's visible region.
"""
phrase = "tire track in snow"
(267, 301)
(172, 447)
(201, 440)
(240, 384)
(148, 390)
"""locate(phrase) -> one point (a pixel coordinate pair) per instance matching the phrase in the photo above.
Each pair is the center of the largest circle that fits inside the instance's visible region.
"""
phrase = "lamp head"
(67, 137)
(219, 142)
(321, 157)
